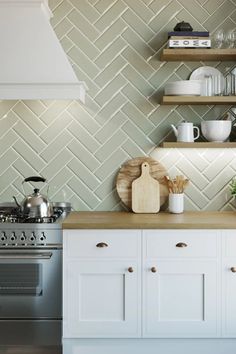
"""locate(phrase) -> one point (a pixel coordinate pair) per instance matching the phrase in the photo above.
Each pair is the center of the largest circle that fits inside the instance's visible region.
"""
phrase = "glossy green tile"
(83, 136)
(87, 10)
(77, 168)
(110, 127)
(140, 9)
(81, 41)
(137, 117)
(110, 145)
(110, 89)
(83, 25)
(138, 25)
(114, 11)
(107, 167)
(111, 69)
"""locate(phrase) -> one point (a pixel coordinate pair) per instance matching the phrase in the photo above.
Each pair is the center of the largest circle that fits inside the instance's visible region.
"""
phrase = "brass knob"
(130, 269)
(153, 270)
(181, 244)
(233, 269)
(102, 244)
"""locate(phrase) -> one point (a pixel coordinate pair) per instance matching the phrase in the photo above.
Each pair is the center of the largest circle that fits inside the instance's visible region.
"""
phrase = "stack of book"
(191, 39)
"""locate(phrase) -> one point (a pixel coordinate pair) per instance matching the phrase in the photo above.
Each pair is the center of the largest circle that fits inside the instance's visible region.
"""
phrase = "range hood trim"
(33, 64)
(44, 91)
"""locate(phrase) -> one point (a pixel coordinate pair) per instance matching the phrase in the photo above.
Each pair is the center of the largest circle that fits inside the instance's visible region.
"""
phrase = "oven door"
(30, 284)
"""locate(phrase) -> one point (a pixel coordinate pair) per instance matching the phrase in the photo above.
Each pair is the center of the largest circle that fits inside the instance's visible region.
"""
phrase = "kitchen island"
(156, 283)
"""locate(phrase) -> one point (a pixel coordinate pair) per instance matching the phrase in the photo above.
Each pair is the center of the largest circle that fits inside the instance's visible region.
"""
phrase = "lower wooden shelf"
(196, 145)
(191, 100)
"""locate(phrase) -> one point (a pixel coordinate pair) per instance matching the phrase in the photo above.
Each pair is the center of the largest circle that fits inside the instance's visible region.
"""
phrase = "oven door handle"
(24, 255)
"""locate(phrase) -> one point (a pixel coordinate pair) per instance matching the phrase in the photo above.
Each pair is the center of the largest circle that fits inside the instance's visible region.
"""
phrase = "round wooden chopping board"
(132, 170)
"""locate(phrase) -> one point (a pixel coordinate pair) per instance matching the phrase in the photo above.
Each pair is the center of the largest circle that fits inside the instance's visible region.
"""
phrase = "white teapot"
(185, 132)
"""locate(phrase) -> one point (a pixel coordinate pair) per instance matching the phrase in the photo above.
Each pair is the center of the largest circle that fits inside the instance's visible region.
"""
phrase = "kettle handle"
(34, 179)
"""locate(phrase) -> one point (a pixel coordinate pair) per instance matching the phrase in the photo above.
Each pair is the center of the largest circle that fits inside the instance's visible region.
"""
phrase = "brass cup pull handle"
(130, 269)
(102, 245)
(153, 270)
(233, 269)
(181, 245)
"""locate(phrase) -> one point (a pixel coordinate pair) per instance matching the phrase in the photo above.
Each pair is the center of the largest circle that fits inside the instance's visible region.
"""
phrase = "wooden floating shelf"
(191, 100)
(197, 145)
(198, 54)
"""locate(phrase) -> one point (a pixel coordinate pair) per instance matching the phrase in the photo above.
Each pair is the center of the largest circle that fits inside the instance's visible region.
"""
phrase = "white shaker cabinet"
(109, 283)
(102, 284)
(229, 284)
(180, 284)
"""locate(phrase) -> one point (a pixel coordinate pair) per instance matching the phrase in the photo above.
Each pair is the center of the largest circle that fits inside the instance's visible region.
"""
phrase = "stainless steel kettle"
(35, 205)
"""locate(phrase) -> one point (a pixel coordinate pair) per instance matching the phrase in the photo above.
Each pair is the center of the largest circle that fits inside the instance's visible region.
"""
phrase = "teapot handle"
(34, 179)
(198, 133)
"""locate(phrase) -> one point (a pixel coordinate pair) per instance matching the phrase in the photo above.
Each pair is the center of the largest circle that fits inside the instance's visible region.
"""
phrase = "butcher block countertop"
(162, 220)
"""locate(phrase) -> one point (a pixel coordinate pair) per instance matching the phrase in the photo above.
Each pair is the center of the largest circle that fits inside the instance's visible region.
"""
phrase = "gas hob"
(21, 232)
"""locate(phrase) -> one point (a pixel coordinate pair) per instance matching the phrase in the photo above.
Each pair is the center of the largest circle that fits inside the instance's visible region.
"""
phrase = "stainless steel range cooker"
(31, 277)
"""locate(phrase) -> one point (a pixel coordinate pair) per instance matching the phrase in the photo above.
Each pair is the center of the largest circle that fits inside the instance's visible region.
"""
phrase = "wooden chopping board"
(131, 170)
(145, 192)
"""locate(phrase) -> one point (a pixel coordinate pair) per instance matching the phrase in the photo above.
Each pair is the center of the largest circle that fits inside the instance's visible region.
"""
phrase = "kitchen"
(115, 48)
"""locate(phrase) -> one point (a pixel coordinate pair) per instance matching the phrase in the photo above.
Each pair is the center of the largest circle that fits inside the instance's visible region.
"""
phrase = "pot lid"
(33, 64)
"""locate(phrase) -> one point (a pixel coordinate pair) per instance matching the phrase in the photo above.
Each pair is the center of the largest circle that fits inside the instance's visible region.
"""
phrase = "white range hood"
(33, 64)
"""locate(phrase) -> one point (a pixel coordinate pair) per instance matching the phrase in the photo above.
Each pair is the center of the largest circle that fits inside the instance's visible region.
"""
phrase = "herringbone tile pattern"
(209, 170)
(114, 46)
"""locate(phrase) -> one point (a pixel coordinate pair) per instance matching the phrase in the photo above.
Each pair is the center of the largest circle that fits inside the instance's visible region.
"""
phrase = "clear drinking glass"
(229, 84)
(230, 39)
(218, 38)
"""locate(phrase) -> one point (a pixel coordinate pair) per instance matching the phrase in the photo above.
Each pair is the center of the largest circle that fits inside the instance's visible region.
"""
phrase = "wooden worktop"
(163, 220)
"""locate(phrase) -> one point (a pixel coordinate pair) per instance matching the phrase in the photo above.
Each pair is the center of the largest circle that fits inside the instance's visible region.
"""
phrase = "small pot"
(35, 205)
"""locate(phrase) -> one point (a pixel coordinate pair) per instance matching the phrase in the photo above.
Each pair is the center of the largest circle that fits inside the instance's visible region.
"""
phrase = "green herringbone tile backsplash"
(115, 47)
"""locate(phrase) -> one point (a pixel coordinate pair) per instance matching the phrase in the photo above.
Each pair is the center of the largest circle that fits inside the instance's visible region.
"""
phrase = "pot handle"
(34, 179)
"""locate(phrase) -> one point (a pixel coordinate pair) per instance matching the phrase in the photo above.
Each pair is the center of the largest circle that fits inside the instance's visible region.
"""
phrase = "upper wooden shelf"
(198, 54)
(191, 100)
(197, 145)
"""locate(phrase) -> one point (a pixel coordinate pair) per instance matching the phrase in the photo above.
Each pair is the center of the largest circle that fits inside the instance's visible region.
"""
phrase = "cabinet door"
(229, 283)
(180, 298)
(229, 297)
(101, 299)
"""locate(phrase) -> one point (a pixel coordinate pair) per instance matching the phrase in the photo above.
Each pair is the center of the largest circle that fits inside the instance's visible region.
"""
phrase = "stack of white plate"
(184, 88)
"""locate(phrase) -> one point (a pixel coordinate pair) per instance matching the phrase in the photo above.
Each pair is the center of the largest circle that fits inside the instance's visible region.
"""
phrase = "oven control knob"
(32, 237)
(3, 237)
(42, 237)
(23, 238)
(13, 236)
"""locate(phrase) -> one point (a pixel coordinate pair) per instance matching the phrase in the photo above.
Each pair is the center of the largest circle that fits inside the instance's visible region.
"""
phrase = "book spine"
(189, 43)
(192, 34)
(188, 37)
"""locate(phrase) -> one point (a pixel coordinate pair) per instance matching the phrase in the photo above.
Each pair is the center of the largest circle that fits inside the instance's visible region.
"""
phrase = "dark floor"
(30, 350)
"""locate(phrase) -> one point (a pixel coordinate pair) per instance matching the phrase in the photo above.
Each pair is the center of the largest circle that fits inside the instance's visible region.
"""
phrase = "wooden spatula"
(145, 192)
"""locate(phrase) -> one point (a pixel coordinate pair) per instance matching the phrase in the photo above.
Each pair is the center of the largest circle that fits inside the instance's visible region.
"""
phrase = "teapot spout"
(174, 130)
(16, 202)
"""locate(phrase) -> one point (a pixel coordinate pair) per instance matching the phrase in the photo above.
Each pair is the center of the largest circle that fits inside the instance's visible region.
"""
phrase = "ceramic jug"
(185, 132)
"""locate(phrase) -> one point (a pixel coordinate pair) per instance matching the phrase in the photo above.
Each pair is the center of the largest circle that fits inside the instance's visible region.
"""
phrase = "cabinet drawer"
(180, 243)
(229, 238)
(102, 243)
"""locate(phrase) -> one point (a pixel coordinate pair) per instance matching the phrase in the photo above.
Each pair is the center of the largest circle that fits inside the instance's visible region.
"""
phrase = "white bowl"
(216, 130)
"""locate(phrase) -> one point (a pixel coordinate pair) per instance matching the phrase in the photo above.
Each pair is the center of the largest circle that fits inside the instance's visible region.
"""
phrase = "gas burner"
(12, 218)
(9, 214)
(2, 218)
(9, 218)
(43, 220)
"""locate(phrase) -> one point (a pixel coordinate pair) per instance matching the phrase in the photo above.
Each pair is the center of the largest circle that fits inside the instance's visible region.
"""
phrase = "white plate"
(203, 72)
(182, 92)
